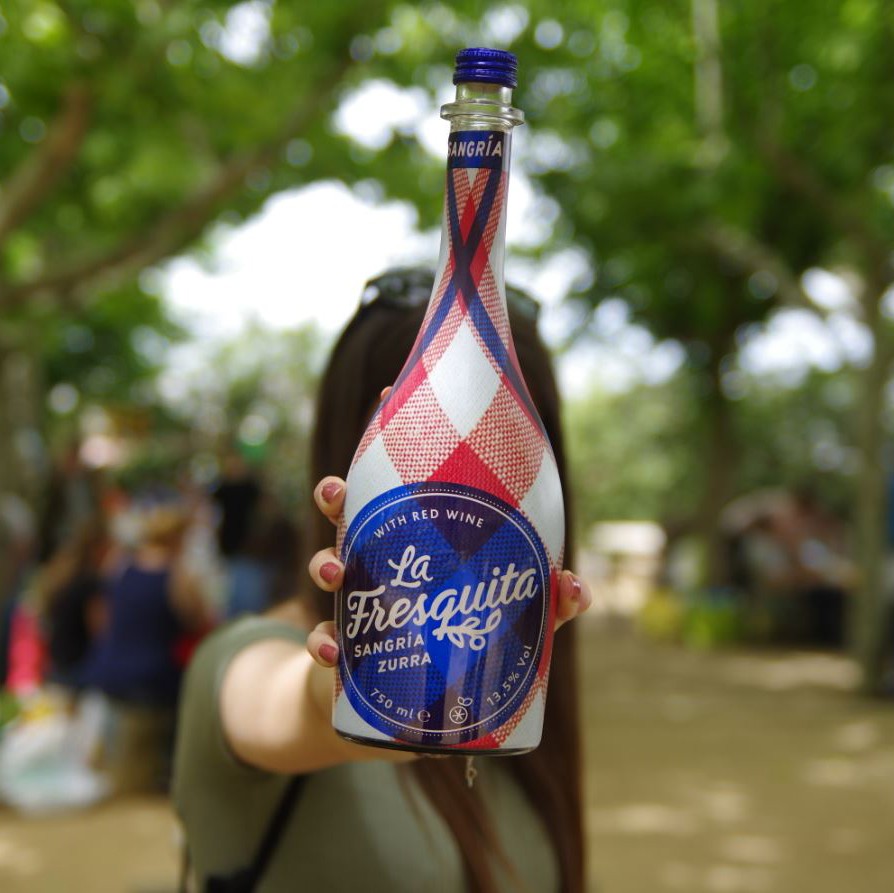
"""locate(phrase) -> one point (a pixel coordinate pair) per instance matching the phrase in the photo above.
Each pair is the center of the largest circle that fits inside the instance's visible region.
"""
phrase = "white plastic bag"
(45, 759)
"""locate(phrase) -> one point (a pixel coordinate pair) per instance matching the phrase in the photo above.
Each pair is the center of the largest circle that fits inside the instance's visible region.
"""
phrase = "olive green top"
(356, 827)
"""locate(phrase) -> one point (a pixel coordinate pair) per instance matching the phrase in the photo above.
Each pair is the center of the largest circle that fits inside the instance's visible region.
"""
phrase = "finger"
(385, 392)
(321, 644)
(574, 597)
(326, 570)
(329, 495)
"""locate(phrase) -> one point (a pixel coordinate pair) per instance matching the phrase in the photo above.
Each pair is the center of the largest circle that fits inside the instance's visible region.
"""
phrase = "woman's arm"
(276, 704)
(276, 695)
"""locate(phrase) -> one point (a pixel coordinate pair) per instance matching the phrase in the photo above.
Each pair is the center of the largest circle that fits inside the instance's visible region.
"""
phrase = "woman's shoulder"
(249, 629)
(217, 649)
(200, 733)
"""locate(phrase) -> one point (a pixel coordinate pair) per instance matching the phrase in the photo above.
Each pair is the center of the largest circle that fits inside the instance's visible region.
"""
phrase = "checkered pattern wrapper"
(460, 413)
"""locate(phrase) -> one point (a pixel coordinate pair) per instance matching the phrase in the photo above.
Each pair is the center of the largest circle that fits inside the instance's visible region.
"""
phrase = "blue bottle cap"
(486, 66)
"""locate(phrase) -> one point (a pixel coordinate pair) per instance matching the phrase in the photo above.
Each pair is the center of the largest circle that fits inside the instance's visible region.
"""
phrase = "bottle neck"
(469, 293)
(473, 234)
(482, 107)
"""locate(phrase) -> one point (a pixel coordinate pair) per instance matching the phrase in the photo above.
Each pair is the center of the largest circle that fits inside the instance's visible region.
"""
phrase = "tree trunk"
(7, 462)
(708, 81)
(868, 621)
(21, 446)
(720, 459)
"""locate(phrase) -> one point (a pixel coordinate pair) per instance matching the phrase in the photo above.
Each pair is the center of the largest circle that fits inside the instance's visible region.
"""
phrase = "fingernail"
(330, 490)
(575, 589)
(328, 653)
(329, 571)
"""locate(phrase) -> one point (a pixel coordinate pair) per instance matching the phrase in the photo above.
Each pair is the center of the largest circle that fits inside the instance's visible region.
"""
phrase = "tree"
(704, 154)
(128, 129)
(642, 469)
(713, 153)
(136, 127)
(257, 390)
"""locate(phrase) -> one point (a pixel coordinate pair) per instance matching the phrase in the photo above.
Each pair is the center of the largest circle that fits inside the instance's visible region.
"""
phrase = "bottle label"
(476, 148)
(443, 613)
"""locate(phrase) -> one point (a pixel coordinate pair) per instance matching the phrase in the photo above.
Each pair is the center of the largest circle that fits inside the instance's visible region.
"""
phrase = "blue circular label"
(443, 612)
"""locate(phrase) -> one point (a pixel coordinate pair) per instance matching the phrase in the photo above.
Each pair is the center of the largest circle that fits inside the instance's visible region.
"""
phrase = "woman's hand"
(327, 572)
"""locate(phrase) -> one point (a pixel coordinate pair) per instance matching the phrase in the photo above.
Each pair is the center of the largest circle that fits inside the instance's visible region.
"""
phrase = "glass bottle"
(453, 527)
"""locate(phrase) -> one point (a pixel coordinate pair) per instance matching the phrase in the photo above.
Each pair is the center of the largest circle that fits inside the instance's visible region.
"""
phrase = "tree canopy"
(702, 155)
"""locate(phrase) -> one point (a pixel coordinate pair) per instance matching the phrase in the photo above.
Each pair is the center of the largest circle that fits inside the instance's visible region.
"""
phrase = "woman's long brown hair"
(368, 357)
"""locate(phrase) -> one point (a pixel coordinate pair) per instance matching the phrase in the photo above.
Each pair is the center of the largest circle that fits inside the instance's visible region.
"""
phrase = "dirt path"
(725, 773)
(127, 846)
(735, 772)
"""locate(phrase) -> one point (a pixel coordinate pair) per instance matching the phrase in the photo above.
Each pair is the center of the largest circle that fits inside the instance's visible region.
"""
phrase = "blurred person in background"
(275, 543)
(152, 603)
(257, 701)
(70, 599)
(239, 498)
(795, 566)
(17, 555)
(816, 537)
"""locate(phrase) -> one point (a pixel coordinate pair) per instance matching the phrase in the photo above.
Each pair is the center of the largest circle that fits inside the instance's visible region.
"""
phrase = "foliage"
(703, 166)
(9, 708)
(630, 453)
(114, 348)
(127, 128)
(701, 620)
(800, 437)
(632, 458)
(672, 148)
(702, 154)
(256, 392)
(130, 128)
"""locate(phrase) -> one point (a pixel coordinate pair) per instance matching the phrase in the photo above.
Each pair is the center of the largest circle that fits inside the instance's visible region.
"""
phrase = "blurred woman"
(257, 704)
(152, 602)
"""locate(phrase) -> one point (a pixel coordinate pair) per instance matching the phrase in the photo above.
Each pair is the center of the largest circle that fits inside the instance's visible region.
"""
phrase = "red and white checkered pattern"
(464, 382)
